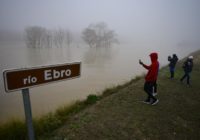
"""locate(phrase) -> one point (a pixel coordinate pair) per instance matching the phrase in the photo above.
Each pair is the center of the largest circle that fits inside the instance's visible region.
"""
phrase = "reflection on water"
(99, 55)
(38, 56)
(101, 68)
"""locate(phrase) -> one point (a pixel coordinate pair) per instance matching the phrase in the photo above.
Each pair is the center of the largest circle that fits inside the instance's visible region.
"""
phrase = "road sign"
(29, 77)
(17, 79)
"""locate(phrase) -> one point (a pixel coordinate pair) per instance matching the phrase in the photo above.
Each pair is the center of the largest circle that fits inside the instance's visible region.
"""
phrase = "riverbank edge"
(45, 124)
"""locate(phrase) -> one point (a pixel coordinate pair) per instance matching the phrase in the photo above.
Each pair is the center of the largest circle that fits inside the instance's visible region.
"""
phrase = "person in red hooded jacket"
(151, 78)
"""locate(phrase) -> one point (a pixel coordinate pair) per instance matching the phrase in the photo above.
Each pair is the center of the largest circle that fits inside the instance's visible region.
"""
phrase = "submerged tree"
(59, 38)
(37, 37)
(98, 35)
(68, 37)
(90, 37)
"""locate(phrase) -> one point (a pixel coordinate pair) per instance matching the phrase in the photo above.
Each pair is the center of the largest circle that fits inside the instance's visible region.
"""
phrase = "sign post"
(23, 79)
(28, 114)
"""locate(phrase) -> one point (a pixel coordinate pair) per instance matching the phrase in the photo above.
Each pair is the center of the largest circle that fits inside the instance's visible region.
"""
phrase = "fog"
(142, 26)
(155, 22)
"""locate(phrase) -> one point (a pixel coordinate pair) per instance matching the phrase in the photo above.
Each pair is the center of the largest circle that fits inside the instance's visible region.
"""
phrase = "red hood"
(153, 56)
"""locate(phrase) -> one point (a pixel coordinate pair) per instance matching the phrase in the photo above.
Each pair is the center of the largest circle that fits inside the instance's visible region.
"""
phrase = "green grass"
(15, 129)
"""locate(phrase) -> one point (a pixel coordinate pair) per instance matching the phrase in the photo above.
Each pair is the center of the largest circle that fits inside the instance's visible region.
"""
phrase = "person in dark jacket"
(187, 66)
(151, 78)
(172, 63)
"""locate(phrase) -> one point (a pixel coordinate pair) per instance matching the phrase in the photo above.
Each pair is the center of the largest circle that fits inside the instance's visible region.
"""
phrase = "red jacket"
(152, 73)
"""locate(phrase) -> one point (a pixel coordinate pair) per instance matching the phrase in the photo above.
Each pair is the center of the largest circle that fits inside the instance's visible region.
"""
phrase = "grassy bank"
(16, 129)
(119, 114)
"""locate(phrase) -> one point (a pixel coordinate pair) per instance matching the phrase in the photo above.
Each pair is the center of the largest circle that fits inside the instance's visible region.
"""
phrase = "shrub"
(91, 99)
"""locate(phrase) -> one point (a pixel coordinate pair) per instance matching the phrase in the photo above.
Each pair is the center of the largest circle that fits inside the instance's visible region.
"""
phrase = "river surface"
(100, 68)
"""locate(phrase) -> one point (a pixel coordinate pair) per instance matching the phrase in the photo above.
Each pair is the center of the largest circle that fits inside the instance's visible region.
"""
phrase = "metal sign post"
(28, 113)
(23, 79)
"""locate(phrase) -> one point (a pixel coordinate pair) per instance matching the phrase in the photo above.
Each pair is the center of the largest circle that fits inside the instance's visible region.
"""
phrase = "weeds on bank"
(17, 129)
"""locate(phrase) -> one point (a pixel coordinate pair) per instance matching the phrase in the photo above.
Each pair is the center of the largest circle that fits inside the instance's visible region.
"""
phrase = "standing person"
(187, 66)
(172, 63)
(151, 78)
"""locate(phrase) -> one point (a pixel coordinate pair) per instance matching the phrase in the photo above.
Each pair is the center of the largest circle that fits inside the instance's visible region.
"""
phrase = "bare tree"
(109, 38)
(49, 39)
(35, 36)
(59, 38)
(68, 37)
(40, 37)
(89, 36)
(99, 35)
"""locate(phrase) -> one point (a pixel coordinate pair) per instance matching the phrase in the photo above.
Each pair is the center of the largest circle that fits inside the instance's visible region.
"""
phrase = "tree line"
(95, 35)
(37, 37)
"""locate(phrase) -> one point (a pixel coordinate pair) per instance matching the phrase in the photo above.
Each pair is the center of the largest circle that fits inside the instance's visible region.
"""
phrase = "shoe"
(155, 102)
(188, 85)
(154, 94)
(146, 102)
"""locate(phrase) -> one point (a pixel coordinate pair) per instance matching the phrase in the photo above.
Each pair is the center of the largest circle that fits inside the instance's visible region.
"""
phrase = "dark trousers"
(155, 87)
(172, 69)
(186, 75)
(172, 74)
(148, 88)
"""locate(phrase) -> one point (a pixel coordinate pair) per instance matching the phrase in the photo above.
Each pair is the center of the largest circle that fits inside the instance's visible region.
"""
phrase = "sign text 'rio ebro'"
(29, 77)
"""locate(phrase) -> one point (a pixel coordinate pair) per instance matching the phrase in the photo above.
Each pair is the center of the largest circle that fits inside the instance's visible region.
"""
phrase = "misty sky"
(155, 19)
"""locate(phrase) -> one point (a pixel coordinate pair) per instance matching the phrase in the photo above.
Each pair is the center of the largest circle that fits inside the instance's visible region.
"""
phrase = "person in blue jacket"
(172, 63)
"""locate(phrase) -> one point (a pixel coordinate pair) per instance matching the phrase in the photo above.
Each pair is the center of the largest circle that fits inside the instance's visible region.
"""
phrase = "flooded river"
(101, 68)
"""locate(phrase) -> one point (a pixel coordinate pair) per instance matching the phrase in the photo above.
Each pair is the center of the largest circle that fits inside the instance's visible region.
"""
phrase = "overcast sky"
(179, 19)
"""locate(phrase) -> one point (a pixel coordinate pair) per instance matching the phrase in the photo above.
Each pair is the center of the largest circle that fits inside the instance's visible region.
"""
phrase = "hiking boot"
(188, 85)
(155, 102)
